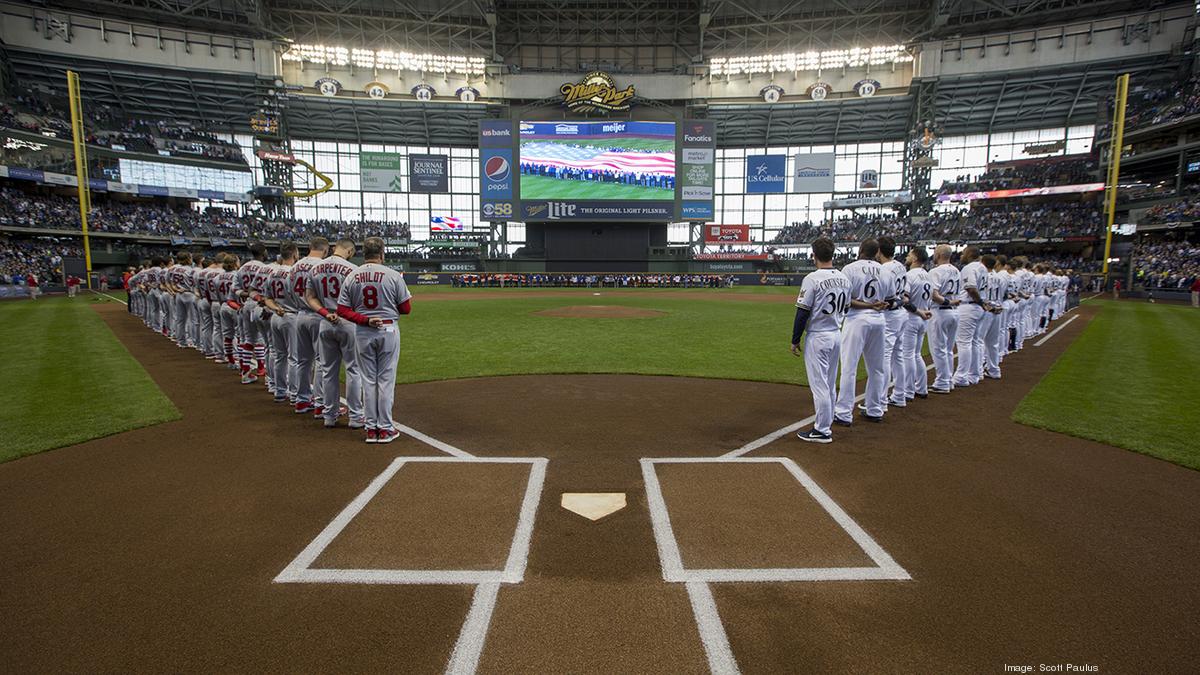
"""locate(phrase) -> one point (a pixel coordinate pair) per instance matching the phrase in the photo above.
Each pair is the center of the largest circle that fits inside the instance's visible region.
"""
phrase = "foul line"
(791, 428)
(712, 631)
(1054, 332)
(431, 441)
(464, 660)
(109, 296)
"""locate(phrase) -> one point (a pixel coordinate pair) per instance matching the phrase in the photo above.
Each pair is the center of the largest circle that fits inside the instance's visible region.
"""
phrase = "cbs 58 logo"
(497, 209)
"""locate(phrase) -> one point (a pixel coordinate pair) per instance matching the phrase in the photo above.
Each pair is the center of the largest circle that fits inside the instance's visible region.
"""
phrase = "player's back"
(826, 294)
(946, 280)
(974, 275)
(899, 276)
(867, 283)
(247, 274)
(326, 280)
(297, 283)
(919, 286)
(375, 291)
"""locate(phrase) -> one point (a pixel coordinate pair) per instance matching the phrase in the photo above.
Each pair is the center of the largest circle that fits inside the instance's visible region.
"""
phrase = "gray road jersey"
(376, 291)
(297, 283)
(326, 280)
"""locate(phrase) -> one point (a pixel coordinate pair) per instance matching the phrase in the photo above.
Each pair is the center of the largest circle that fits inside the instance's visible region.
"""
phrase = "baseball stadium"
(673, 336)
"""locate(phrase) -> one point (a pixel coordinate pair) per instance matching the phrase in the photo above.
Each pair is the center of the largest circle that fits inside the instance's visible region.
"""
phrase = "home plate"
(593, 505)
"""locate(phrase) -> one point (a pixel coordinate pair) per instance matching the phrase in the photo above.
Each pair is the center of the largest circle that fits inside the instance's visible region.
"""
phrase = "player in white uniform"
(1006, 268)
(251, 347)
(894, 318)
(993, 320)
(374, 297)
(871, 292)
(969, 337)
(946, 281)
(820, 309)
(275, 297)
(1024, 300)
(911, 380)
(305, 326)
(337, 339)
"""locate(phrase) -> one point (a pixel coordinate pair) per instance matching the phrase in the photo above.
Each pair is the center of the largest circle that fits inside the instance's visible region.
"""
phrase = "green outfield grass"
(1128, 381)
(68, 379)
(544, 187)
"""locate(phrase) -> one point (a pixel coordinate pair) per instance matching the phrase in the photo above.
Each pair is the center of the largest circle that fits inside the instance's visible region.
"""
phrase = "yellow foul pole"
(1114, 163)
(81, 167)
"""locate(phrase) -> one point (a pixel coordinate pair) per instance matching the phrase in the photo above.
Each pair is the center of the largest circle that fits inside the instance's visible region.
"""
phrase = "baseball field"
(204, 528)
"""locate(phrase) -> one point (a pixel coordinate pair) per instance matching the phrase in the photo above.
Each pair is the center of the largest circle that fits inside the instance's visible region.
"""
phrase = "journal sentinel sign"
(766, 174)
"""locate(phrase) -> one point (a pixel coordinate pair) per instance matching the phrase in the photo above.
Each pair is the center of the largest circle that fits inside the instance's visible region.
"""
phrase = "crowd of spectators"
(1027, 174)
(41, 257)
(1166, 264)
(542, 280)
(1186, 209)
(20, 209)
(1004, 221)
(1157, 105)
(46, 114)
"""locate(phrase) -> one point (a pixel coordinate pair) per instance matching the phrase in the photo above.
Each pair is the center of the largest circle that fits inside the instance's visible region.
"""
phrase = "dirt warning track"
(160, 549)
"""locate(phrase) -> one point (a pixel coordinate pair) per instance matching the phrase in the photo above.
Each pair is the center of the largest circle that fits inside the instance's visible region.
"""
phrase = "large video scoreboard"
(604, 170)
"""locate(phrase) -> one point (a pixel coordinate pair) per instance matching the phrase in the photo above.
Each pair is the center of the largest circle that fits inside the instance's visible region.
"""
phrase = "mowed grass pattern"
(68, 379)
(700, 337)
(1129, 381)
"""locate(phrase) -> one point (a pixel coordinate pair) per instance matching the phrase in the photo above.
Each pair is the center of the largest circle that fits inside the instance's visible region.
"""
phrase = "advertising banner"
(428, 173)
(880, 199)
(379, 171)
(495, 134)
(596, 210)
(732, 256)
(726, 234)
(766, 174)
(698, 170)
(813, 172)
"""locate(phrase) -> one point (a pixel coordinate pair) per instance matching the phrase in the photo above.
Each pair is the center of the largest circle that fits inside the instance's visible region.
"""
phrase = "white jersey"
(919, 288)
(974, 275)
(826, 294)
(946, 280)
(997, 287)
(899, 279)
(868, 283)
(375, 291)
(1025, 281)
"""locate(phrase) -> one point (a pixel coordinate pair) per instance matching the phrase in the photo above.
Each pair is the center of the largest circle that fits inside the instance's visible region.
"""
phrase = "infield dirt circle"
(600, 312)
(160, 549)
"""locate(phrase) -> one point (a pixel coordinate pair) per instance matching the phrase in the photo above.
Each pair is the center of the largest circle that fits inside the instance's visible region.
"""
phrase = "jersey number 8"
(370, 297)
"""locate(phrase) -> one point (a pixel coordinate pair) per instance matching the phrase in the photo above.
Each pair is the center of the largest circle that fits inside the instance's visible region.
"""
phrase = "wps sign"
(428, 173)
(380, 171)
(813, 173)
(766, 173)
(727, 234)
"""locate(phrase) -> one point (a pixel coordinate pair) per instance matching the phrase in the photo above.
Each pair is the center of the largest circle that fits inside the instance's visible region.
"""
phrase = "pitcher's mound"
(600, 312)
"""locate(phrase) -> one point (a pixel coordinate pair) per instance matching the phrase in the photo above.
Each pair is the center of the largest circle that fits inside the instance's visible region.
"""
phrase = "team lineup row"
(880, 310)
(293, 323)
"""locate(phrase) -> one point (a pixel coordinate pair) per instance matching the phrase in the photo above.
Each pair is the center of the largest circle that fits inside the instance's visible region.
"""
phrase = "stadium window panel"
(845, 182)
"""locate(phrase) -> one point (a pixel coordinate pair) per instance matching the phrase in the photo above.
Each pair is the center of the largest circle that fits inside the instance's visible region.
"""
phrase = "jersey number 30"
(836, 303)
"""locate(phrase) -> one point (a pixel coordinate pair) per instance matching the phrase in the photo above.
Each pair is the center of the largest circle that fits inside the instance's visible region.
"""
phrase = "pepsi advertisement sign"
(496, 173)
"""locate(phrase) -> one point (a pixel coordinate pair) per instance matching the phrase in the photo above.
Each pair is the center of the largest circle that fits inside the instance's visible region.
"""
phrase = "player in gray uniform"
(181, 282)
(154, 278)
(230, 310)
(912, 380)
(820, 309)
(306, 328)
(945, 279)
(210, 316)
(275, 298)
(894, 318)
(374, 297)
(871, 292)
(248, 321)
(969, 337)
(337, 339)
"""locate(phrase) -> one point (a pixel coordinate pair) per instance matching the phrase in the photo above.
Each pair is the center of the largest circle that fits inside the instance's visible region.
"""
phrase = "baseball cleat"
(302, 408)
(249, 379)
(372, 436)
(841, 422)
(897, 404)
(938, 390)
(387, 435)
(330, 424)
(992, 377)
(356, 424)
(280, 399)
(872, 418)
(922, 395)
(814, 436)
(317, 411)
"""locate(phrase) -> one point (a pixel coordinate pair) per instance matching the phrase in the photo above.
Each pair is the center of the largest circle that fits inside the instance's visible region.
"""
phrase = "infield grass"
(68, 379)
(707, 333)
(1129, 380)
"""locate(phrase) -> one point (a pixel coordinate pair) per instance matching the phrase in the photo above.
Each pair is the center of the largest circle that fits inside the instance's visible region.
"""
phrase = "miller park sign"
(596, 91)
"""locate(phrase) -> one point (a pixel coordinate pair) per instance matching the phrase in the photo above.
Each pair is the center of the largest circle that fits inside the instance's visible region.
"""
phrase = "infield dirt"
(157, 549)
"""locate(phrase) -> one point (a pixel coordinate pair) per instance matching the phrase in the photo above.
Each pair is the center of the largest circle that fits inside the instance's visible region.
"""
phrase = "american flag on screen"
(597, 159)
(445, 224)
